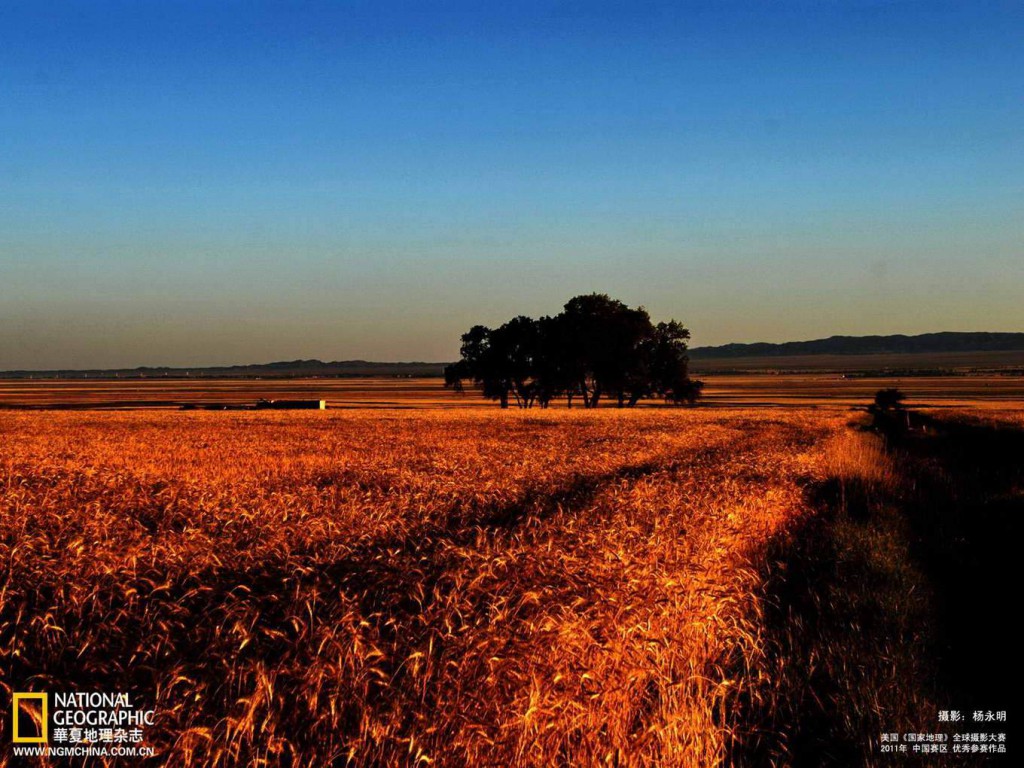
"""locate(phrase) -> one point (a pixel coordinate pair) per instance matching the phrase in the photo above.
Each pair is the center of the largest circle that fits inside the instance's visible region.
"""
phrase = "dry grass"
(854, 457)
(848, 646)
(470, 588)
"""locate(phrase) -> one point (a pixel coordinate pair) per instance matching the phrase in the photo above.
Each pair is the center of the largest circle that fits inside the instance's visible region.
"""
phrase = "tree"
(500, 361)
(596, 347)
(600, 338)
(670, 363)
(888, 400)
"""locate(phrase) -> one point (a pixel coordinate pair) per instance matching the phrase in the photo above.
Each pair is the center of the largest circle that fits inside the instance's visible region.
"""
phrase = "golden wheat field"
(451, 588)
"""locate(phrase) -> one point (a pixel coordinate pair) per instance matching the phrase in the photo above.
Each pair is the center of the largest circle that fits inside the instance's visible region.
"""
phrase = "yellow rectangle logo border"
(16, 737)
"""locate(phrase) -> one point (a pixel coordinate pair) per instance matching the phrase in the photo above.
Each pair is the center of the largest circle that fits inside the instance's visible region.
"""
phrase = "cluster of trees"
(596, 347)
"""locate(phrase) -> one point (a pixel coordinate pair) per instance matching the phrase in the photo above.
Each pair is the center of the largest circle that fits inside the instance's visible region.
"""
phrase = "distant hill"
(284, 369)
(926, 343)
(791, 354)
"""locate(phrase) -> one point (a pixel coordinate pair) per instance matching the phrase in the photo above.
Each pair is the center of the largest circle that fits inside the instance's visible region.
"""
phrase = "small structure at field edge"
(292, 404)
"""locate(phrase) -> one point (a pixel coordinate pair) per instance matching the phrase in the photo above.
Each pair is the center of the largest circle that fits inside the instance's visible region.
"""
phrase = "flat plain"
(746, 390)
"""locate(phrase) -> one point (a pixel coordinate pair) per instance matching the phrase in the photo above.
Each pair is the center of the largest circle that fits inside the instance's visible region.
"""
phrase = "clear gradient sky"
(190, 183)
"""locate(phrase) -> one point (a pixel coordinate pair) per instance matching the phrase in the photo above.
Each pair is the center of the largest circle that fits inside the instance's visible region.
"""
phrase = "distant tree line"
(595, 348)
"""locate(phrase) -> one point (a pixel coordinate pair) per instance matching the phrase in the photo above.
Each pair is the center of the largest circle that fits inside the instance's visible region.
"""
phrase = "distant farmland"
(763, 389)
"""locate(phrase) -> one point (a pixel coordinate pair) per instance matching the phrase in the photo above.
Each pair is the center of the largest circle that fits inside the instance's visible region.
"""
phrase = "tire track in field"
(406, 594)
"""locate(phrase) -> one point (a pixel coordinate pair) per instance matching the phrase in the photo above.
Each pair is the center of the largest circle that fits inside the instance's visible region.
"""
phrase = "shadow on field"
(824, 611)
(394, 583)
(965, 516)
(894, 603)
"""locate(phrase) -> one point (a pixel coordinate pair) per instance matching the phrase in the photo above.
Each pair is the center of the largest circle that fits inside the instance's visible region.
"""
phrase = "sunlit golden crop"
(455, 588)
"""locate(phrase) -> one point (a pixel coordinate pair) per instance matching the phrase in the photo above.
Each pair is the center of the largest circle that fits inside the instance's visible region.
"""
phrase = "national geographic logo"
(78, 724)
(30, 718)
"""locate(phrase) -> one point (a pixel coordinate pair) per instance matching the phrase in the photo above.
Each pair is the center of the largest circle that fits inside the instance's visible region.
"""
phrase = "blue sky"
(200, 183)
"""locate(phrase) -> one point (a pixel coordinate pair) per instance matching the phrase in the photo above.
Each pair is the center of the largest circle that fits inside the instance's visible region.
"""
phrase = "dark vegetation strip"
(965, 515)
(894, 602)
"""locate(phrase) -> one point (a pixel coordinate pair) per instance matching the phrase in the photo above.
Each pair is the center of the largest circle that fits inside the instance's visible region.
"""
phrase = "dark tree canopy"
(888, 400)
(596, 348)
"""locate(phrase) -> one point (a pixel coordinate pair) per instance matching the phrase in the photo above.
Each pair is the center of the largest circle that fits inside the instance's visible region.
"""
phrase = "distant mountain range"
(927, 343)
(870, 345)
(283, 369)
